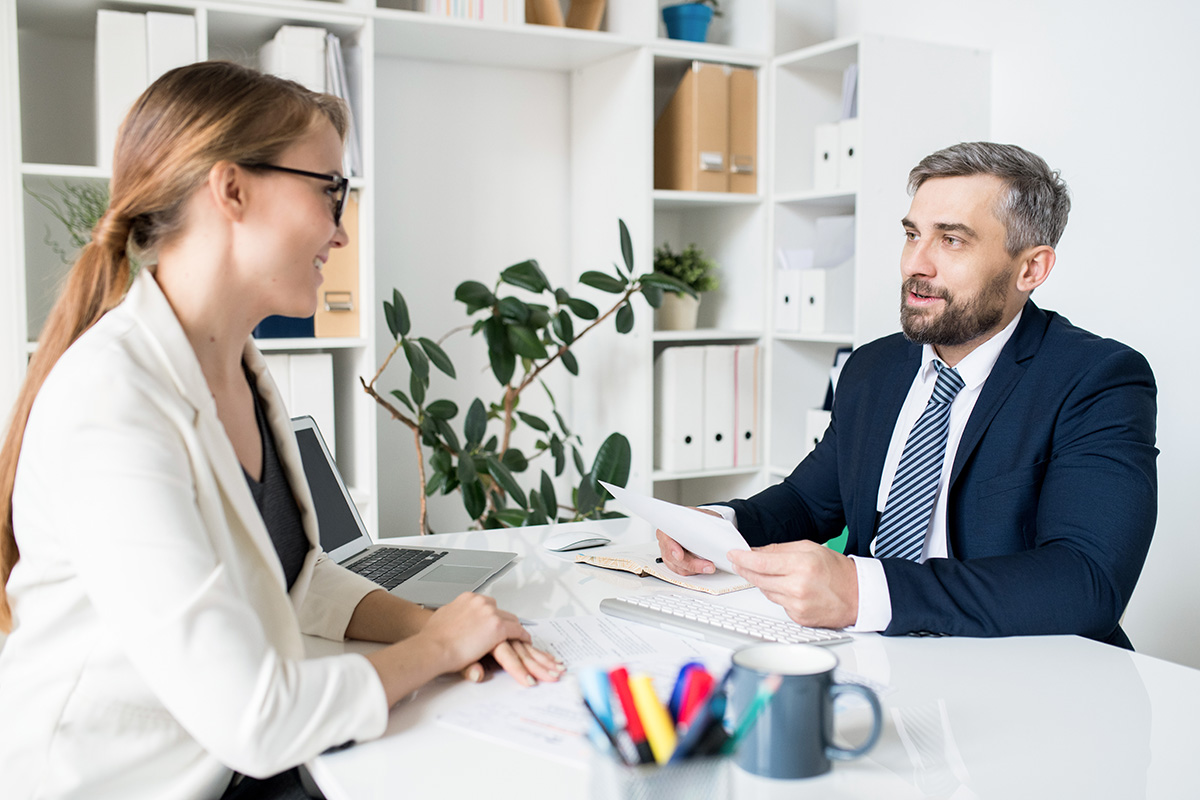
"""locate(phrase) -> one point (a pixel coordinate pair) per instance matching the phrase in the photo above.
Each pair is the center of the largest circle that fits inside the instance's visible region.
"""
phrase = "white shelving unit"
(433, 214)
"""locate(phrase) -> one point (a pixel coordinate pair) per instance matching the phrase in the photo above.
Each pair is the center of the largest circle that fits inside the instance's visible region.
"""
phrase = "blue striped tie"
(910, 501)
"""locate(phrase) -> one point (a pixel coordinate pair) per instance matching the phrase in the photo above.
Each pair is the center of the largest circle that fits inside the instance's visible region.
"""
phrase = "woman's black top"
(274, 497)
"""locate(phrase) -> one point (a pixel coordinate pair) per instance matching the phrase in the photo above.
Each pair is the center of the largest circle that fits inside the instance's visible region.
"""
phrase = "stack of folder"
(706, 407)
(707, 137)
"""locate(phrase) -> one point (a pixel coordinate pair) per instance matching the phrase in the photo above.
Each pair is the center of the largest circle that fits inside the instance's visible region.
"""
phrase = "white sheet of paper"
(705, 535)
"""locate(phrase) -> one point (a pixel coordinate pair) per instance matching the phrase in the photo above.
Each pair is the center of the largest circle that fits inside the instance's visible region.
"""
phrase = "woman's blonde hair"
(187, 121)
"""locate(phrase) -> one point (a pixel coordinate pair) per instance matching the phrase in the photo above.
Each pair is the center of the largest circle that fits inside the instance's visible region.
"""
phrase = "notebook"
(429, 576)
(642, 560)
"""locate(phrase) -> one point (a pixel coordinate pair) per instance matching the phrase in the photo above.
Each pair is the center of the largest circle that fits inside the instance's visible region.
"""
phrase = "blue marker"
(593, 684)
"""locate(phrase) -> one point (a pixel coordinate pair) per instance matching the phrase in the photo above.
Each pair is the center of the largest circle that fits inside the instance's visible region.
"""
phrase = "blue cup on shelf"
(688, 21)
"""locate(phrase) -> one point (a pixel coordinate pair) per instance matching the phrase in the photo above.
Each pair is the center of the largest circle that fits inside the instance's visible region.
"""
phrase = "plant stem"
(424, 518)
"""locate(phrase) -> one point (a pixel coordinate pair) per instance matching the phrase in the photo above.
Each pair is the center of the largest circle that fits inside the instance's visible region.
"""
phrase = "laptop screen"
(337, 521)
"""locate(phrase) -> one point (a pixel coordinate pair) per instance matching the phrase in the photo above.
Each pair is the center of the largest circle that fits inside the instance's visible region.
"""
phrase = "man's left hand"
(815, 585)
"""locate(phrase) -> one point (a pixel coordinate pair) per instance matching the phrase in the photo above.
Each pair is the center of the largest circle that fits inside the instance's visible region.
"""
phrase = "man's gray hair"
(1035, 207)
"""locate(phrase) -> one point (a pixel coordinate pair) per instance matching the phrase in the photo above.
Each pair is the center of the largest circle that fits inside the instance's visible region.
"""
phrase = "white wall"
(1104, 91)
(439, 224)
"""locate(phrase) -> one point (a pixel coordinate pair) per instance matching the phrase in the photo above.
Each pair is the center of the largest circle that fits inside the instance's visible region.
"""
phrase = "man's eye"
(910, 235)
(953, 241)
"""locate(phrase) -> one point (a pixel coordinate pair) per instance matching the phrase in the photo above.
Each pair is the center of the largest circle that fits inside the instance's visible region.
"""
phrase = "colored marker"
(699, 687)
(660, 731)
(593, 684)
(766, 690)
(619, 678)
(607, 733)
(681, 683)
(696, 737)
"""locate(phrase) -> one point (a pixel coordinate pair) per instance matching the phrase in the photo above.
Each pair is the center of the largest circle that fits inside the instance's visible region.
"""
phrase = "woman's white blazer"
(156, 647)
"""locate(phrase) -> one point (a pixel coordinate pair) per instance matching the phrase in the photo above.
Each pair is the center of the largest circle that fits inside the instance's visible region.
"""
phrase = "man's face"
(959, 280)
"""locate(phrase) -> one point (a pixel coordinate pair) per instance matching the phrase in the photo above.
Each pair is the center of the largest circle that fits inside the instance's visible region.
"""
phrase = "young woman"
(155, 518)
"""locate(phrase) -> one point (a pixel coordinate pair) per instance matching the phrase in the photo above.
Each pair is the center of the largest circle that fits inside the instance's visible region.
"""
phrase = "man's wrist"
(874, 599)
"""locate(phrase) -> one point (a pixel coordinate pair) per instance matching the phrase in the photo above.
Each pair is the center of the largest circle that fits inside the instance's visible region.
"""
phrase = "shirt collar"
(975, 368)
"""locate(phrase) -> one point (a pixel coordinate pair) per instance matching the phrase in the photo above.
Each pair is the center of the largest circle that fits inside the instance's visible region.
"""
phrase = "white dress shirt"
(874, 601)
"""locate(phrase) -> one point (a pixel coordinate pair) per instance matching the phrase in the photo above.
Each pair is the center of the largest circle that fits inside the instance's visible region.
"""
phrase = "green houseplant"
(477, 458)
(692, 268)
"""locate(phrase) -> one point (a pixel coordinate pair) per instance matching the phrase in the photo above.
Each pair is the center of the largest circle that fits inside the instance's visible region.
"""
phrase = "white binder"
(170, 42)
(120, 75)
(297, 53)
(827, 145)
(810, 300)
(311, 389)
(787, 300)
(849, 139)
(679, 409)
(718, 406)
(745, 405)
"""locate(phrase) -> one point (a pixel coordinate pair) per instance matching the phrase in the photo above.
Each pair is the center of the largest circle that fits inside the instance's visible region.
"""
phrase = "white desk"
(1054, 717)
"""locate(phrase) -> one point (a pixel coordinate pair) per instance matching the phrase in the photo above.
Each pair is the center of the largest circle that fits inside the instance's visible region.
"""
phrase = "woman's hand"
(523, 661)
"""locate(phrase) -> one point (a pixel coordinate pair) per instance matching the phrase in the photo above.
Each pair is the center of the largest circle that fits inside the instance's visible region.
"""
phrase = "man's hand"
(681, 561)
(815, 585)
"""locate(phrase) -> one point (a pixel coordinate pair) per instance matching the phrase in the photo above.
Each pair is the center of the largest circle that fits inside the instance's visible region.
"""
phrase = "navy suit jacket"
(1052, 499)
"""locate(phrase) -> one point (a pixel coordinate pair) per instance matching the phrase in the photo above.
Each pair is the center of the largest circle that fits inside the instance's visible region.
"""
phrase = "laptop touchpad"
(448, 573)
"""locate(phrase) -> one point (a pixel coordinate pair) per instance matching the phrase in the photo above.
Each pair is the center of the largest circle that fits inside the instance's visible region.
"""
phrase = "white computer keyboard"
(695, 616)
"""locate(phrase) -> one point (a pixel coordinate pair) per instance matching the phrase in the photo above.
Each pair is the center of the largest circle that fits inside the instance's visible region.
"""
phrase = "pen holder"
(692, 779)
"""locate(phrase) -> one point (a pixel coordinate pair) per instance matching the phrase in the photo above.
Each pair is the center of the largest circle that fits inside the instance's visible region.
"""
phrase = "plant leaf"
(438, 356)
(466, 470)
(537, 423)
(527, 275)
(613, 460)
(564, 329)
(504, 364)
(512, 517)
(587, 498)
(440, 461)
(492, 444)
(525, 342)
(417, 360)
(474, 499)
(653, 295)
(667, 283)
(568, 359)
(537, 509)
(562, 423)
(417, 387)
(507, 481)
(626, 246)
(403, 322)
(559, 453)
(475, 295)
(578, 457)
(513, 310)
(442, 409)
(625, 318)
(515, 460)
(582, 308)
(475, 426)
(389, 314)
(602, 281)
(435, 483)
(548, 494)
(403, 398)
(447, 433)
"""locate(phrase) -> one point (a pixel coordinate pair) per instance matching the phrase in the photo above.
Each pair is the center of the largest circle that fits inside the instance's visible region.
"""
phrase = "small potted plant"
(694, 269)
(689, 21)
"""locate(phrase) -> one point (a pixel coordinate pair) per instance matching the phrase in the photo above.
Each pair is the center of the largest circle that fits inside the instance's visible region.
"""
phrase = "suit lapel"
(1009, 368)
(180, 363)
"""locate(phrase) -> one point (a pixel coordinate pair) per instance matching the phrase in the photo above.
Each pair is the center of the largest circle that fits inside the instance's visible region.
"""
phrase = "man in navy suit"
(1045, 504)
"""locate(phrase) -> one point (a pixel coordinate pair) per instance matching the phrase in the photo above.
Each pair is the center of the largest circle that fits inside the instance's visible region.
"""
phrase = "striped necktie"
(909, 505)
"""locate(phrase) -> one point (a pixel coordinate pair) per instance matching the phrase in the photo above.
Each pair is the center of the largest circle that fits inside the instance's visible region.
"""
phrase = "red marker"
(619, 678)
(695, 694)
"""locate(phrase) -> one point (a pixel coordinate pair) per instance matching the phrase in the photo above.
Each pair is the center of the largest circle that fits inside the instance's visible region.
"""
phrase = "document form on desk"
(705, 535)
(550, 719)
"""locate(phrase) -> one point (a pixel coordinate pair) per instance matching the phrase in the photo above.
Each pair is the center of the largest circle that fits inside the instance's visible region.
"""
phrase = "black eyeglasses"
(340, 188)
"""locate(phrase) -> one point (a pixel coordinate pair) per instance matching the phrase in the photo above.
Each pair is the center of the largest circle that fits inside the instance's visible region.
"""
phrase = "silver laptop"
(431, 576)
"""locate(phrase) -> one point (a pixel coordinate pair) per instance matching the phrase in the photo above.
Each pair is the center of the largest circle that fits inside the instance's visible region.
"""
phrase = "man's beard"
(960, 321)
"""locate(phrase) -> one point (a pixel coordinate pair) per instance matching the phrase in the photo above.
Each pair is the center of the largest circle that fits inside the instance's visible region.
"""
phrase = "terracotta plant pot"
(678, 312)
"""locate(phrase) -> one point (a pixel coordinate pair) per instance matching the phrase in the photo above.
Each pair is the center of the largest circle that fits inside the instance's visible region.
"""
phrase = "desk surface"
(1053, 716)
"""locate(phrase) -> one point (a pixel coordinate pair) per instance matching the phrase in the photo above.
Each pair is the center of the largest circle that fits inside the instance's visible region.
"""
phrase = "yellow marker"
(660, 731)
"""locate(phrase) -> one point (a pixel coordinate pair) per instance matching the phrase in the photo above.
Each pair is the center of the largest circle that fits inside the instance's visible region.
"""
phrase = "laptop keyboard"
(715, 623)
(392, 566)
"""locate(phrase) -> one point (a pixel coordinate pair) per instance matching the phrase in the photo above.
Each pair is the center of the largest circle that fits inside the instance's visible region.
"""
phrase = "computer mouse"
(574, 540)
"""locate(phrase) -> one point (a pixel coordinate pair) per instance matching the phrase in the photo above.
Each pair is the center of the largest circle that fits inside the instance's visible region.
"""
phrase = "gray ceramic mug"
(792, 735)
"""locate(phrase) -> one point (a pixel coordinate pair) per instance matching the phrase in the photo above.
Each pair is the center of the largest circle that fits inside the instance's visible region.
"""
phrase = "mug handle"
(835, 753)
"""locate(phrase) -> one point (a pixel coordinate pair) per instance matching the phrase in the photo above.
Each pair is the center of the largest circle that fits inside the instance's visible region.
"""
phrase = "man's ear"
(227, 188)
(1036, 264)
